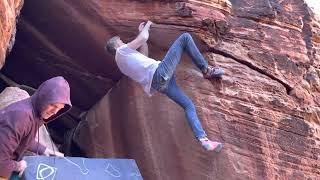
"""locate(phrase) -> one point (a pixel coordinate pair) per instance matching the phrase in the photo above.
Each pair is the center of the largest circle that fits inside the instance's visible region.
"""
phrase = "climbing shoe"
(210, 145)
(213, 72)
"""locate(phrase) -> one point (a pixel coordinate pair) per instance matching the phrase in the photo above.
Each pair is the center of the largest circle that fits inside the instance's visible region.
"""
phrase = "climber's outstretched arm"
(144, 49)
(141, 38)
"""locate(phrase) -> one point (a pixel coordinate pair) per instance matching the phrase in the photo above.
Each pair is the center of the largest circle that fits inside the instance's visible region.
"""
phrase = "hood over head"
(54, 90)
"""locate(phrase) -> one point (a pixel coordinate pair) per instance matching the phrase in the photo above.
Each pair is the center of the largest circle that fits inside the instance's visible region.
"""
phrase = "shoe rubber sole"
(218, 148)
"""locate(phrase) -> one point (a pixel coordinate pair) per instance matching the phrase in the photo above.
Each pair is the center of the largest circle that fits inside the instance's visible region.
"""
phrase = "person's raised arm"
(141, 38)
(144, 49)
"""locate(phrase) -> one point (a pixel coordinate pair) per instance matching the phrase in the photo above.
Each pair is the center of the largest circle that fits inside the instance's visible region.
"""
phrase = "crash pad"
(78, 168)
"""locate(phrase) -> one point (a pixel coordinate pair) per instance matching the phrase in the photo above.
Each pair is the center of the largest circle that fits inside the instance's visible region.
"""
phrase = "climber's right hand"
(149, 23)
(141, 26)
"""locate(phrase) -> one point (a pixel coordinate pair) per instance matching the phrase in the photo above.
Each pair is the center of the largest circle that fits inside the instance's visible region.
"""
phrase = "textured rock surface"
(265, 109)
(11, 95)
(9, 10)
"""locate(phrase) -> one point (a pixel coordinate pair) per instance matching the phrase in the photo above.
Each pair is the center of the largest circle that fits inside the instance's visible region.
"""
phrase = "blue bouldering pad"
(75, 168)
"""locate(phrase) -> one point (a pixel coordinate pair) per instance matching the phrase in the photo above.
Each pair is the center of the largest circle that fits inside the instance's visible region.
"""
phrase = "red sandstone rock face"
(9, 10)
(265, 109)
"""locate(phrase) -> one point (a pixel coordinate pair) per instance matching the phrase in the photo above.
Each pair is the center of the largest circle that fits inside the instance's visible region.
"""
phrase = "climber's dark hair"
(111, 45)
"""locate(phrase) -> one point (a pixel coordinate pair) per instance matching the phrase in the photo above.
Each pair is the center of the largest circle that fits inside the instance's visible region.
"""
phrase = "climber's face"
(51, 110)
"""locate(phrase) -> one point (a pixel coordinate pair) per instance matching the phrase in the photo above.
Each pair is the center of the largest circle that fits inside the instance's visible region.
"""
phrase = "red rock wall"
(265, 109)
(9, 10)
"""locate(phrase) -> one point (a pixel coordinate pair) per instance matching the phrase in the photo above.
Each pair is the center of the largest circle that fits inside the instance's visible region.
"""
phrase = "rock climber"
(133, 61)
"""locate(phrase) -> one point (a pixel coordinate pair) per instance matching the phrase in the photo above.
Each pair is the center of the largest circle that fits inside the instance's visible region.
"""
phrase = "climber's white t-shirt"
(137, 66)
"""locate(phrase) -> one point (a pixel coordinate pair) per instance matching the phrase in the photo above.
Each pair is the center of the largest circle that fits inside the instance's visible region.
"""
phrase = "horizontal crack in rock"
(251, 66)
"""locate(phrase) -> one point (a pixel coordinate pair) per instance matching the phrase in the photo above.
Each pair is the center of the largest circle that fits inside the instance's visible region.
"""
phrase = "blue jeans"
(164, 80)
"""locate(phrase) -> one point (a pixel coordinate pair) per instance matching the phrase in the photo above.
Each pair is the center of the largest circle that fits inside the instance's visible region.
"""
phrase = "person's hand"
(141, 26)
(49, 152)
(21, 166)
(58, 154)
(149, 23)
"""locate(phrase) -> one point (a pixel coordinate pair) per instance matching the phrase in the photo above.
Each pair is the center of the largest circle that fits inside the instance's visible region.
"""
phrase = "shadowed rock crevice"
(251, 66)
